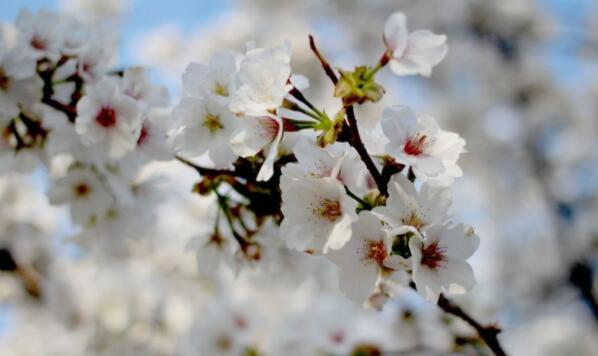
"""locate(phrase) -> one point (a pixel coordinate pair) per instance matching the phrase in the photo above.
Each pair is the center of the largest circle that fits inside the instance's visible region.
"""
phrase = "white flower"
(39, 33)
(362, 257)
(223, 328)
(135, 83)
(207, 126)
(448, 147)
(338, 160)
(152, 143)
(262, 81)
(88, 198)
(317, 214)
(93, 63)
(407, 209)
(255, 134)
(418, 142)
(213, 79)
(18, 86)
(75, 37)
(108, 119)
(211, 251)
(439, 260)
(412, 53)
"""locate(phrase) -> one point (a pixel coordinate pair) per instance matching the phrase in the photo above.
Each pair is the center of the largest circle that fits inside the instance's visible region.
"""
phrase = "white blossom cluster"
(293, 188)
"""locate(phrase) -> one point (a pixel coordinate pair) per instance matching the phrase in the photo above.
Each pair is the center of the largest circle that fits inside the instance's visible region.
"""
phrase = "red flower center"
(433, 256)
(330, 210)
(82, 189)
(374, 251)
(106, 117)
(415, 145)
(38, 43)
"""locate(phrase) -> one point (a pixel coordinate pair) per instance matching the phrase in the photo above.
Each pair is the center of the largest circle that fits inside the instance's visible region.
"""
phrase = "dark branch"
(357, 143)
(327, 68)
(204, 171)
(488, 333)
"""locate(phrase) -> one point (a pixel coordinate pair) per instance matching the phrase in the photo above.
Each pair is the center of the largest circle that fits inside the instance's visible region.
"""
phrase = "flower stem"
(297, 94)
(204, 171)
(366, 205)
(222, 204)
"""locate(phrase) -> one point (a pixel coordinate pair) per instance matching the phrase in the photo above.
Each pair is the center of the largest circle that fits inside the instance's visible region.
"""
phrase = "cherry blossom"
(215, 78)
(338, 160)
(412, 53)
(87, 195)
(318, 214)
(363, 257)
(39, 33)
(207, 126)
(18, 86)
(259, 134)
(262, 80)
(108, 119)
(410, 210)
(439, 260)
(418, 142)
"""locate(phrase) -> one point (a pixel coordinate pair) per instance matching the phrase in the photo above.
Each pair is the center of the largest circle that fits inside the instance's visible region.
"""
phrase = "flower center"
(415, 145)
(38, 43)
(212, 122)
(220, 89)
(224, 343)
(82, 189)
(433, 256)
(330, 210)
(374, 251)
(413, 220)
(4, 80)
(106, 117)
(337, 337)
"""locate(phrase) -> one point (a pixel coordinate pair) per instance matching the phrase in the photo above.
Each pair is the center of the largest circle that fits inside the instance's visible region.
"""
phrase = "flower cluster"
(364, 213)
(287, 178)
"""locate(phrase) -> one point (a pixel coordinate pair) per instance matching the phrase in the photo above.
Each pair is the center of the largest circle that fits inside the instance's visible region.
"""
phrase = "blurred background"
(519, 84)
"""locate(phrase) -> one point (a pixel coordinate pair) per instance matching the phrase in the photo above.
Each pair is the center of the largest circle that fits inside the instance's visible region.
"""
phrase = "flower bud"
(358, 86)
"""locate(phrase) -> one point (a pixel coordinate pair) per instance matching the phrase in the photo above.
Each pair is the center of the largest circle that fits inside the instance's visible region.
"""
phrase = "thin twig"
(488, 333)
(204, 171)
(357, 143)
(355, 140)
(365, 204)
(327, 68)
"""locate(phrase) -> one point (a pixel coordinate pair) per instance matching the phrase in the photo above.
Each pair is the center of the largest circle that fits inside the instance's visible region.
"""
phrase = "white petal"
(395, 32)
(399, 123)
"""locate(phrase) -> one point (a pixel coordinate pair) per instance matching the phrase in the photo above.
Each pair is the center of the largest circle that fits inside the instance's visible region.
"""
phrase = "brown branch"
(204, 171)
(357, 143)
(488, 333)
(355, 138)
(48, 91)
(327, 68)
